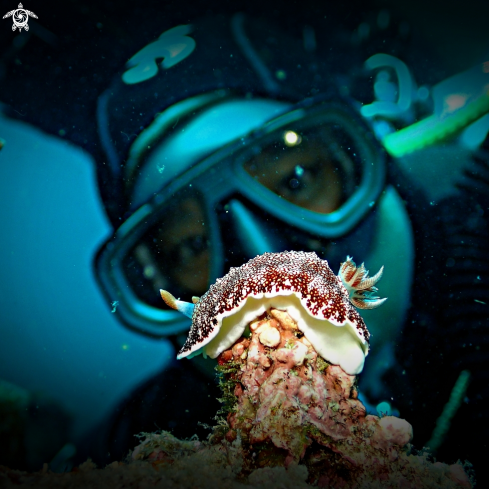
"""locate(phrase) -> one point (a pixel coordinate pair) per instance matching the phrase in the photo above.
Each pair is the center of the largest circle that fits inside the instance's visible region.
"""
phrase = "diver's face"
(313, 169)
(178, 250)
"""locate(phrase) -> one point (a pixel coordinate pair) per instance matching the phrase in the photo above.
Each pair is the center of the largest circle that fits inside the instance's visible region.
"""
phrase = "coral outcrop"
(289, 420)
(292, 407)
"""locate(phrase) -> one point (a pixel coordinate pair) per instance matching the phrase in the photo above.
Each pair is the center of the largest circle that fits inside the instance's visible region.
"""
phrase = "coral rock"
(295, 408)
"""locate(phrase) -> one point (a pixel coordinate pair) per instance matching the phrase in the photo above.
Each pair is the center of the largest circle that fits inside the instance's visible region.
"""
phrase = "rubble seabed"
(289, 420)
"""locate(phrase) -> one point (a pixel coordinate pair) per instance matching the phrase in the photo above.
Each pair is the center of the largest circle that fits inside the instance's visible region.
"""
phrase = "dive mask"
(315, 170)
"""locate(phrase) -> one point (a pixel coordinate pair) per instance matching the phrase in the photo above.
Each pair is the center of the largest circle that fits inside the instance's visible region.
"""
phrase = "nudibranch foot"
(300, 283)
(360, 287)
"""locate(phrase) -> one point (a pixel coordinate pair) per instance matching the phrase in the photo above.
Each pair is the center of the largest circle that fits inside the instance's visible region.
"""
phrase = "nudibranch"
(321, 303)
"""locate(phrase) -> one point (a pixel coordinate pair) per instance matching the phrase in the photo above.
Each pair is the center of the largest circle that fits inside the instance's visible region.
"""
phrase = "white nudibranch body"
(301, 283)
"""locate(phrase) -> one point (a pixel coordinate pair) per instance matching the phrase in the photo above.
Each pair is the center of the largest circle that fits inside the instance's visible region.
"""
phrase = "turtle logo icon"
(20, 16)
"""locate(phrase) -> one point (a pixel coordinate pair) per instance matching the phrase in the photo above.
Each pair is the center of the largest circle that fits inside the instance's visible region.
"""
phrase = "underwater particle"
(2, 143)
(114, 305)
(281, 75)
(321, 303)
(480, 302)
(125, 346)
(160, 168)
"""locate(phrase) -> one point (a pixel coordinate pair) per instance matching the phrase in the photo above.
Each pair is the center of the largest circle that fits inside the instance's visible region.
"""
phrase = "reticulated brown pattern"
(304, 273)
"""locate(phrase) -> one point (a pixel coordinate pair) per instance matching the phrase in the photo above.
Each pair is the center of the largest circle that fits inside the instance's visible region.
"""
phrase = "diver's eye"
(296, 181)
(317, 173)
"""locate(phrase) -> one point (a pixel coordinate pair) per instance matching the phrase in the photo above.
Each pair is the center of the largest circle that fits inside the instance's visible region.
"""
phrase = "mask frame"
(221, 175)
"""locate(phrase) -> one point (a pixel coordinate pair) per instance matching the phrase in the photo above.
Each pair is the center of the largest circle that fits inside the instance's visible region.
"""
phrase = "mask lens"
(316, 169)
(173, 254)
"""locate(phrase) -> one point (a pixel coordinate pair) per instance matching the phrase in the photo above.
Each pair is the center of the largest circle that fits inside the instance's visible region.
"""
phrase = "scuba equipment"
(240, 143)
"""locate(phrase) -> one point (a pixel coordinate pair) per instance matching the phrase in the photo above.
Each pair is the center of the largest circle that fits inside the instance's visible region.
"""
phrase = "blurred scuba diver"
(243, 141)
